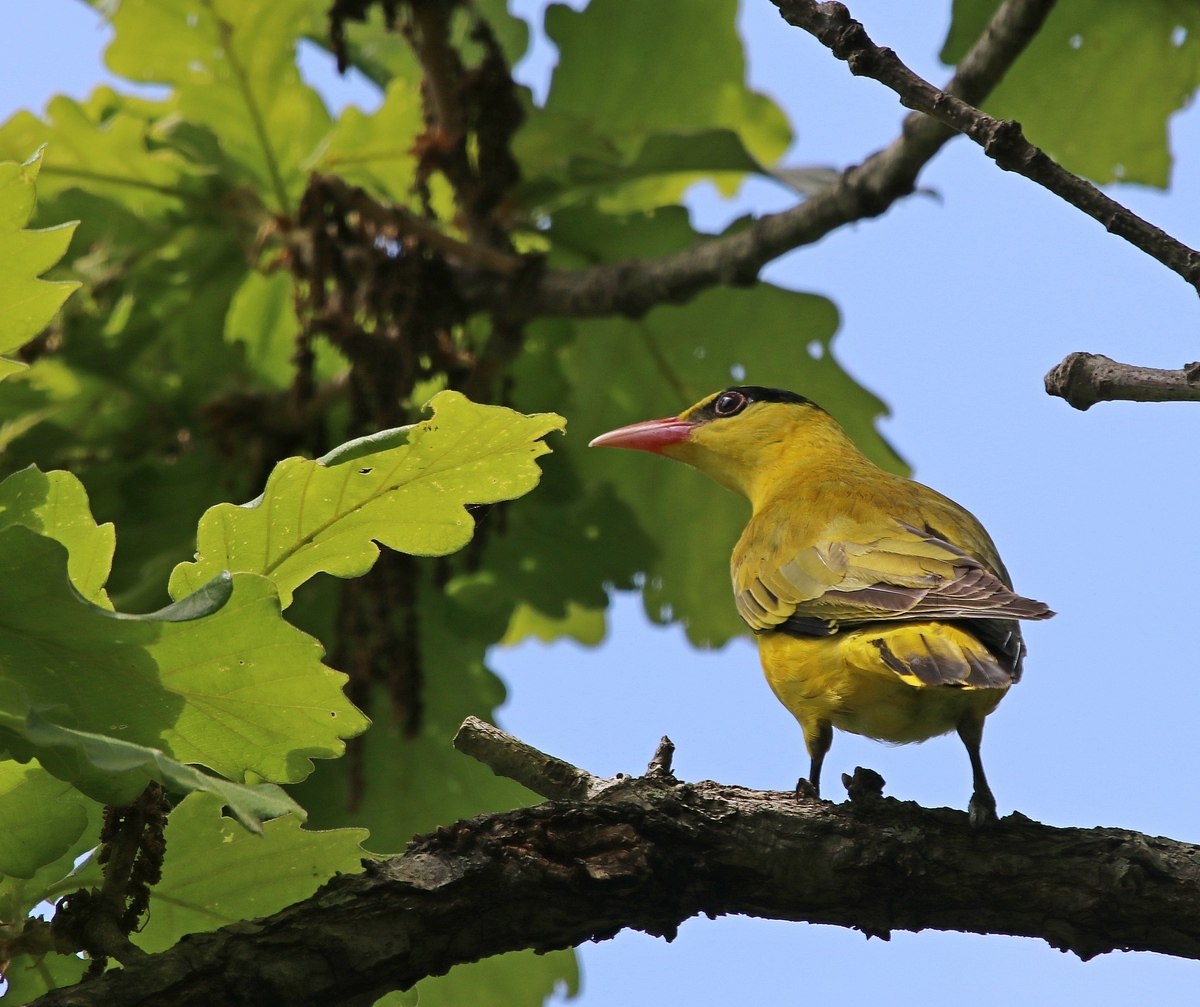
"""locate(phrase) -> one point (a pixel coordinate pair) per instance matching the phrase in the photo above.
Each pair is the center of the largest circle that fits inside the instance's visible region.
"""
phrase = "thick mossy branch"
(648, 853)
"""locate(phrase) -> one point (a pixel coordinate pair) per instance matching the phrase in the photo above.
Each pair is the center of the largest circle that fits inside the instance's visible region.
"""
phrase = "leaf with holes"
(1117, 73)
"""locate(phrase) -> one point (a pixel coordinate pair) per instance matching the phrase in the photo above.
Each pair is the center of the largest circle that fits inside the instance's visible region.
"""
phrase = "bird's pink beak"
(650, 435)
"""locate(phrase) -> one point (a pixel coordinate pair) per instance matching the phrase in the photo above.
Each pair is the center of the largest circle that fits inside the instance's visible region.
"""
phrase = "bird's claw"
(805, 791)
(982, 811)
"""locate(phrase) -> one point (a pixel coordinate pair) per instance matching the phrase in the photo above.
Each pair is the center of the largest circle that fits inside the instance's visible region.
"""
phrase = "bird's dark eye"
(729, 403)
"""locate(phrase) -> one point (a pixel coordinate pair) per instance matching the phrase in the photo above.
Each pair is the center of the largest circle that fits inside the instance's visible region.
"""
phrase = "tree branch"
(1002, 140)
(649, 853)
(507, 756)
(635, 286)
(1084, 379)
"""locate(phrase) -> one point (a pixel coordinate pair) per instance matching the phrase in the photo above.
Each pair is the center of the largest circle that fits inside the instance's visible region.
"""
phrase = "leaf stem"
(84, 174)
(226, 35)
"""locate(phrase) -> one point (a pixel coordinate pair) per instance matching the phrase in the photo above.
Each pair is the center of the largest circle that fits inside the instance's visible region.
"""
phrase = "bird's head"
(738, 436)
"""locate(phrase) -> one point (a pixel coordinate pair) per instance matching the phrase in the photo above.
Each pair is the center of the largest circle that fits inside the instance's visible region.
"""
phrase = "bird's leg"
(817, 742)
(982, 809)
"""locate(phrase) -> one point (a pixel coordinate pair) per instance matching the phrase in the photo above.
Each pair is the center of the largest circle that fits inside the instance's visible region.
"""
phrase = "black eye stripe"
(734, 400)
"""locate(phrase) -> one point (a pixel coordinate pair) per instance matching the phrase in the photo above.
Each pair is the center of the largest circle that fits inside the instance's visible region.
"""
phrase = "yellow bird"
(880, 607)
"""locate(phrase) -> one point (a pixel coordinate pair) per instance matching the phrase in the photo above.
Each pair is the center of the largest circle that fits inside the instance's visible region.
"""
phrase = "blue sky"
(953, 309)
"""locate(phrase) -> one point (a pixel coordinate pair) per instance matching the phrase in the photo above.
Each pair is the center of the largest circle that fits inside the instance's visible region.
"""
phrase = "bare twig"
(507, 756)
(649, 853)
(1002, 140)
(1084, 379)
(660, 762)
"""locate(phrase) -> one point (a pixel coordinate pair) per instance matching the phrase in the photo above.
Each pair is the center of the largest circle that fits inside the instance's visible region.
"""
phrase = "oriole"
(880, 607)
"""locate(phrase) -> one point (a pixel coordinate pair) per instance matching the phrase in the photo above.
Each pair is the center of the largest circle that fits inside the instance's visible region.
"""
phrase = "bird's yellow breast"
(844, 680)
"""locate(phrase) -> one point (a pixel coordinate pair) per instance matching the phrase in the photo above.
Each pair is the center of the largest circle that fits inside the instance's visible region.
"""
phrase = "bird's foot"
(805, 791)
(982, 810)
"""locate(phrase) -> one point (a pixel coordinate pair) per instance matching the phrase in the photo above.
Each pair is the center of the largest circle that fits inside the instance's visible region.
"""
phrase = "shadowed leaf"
(216, 873)
(234, 687)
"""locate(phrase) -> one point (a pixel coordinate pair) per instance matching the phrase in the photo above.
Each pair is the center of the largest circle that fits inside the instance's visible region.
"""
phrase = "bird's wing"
(903, 573)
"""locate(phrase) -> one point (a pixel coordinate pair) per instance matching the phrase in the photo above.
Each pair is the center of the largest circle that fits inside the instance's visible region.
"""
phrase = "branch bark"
(1084, 379)
(635, 286)
(649, 853)
(1002, 140)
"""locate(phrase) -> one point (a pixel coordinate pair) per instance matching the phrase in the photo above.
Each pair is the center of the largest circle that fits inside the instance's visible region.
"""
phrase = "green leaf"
(559, 548)
(115, 771)
(56, 504)
(137, 357)
(393, 795)
(314, 518)
(110, 145)
(375, 150)
(584, 625)
(519, 979)
(696, 79)
(28, 980)
(668, 82)
(382, 54)
(232, 66)
(402, 998)
(711, 150)
(237, 690)
(74, 868)
(205, 600)
(582, 235)
(1117, 72)
(511, 30)
(388, 789)
(159, 501)
(216, 873)
(45, 816)
(21, 898)
(368, 444)
(262, 318)
(29, 303)
(567, 175)
(377, 51)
